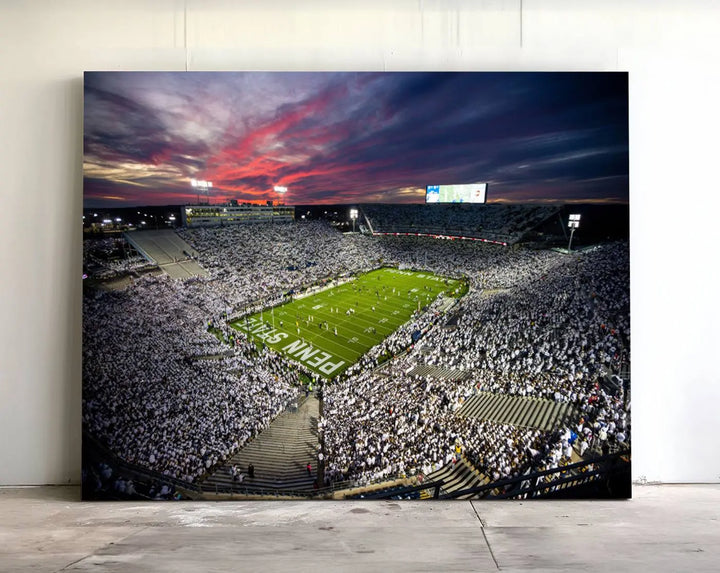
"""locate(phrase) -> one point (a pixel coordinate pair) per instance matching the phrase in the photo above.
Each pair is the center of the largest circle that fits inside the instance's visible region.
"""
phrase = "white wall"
(668, 47)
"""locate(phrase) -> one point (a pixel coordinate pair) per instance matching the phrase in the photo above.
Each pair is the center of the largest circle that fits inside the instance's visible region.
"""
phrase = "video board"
(468, 193)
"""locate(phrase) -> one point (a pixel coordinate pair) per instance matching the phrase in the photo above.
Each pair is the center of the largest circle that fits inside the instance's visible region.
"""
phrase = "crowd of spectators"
(534, 324)
(506, 223)
(564, 322)
(163, 392)
(381, 425)
(251, 262)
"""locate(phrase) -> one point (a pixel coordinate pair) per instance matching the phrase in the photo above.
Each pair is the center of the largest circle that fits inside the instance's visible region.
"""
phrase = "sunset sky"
(353, 137)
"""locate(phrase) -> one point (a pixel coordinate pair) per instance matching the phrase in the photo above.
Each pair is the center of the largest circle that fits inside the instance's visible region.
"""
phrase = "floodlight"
(573, 223)
(201, 183)
(353, 216)
(280, 189)
(118, 219)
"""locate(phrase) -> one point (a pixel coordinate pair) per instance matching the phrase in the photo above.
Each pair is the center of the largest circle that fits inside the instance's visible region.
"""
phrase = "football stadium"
(438, 351)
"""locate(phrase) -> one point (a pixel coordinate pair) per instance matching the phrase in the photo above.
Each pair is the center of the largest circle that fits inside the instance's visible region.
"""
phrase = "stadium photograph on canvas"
(356, 286)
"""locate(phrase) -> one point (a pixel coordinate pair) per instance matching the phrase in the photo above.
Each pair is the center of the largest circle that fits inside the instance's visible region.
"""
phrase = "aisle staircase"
(456, 477)
(165, 248)
(280, 455)
(533, 413)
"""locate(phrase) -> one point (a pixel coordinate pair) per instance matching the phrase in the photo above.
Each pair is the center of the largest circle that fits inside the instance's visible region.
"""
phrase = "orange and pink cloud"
(354, 137)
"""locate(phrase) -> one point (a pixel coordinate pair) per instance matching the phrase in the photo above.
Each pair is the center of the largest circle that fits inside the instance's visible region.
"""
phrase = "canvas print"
(356, 286)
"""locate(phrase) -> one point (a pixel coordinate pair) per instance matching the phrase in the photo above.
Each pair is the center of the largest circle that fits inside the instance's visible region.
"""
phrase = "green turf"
(304, 329)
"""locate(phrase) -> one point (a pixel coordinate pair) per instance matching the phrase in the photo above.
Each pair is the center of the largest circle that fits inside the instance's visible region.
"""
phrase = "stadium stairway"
(166, 249)
(280, 455)
(532, 413)
(455, 477)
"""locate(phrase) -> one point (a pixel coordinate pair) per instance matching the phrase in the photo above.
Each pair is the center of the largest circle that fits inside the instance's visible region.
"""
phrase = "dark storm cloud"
(496, 138)
(117, 127)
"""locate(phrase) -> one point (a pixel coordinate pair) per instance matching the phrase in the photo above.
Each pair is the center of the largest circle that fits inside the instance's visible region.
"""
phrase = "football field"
(330, 330)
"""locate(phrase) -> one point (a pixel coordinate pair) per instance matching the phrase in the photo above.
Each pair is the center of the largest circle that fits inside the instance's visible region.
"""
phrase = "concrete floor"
(664, 528)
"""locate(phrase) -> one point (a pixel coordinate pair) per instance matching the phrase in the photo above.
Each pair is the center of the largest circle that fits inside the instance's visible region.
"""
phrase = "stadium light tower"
(353, 216)
(203, 186)
(281, 190)
(573, 223)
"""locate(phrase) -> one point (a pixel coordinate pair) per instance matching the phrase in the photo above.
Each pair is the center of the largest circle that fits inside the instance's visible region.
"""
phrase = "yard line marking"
(355, 329)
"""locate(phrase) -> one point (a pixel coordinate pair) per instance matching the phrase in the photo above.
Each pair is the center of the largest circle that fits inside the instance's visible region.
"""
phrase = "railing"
(604, 467)
(385, 494)
(311, 492)
(495, 238)
(593, 469)
(94, 448)
(260, 491)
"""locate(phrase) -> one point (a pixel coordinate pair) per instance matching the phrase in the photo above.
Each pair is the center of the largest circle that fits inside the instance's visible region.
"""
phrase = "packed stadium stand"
(514, 387)
(494, 222)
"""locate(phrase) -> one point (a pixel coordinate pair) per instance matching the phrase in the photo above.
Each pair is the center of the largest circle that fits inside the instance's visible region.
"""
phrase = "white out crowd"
(163, 392)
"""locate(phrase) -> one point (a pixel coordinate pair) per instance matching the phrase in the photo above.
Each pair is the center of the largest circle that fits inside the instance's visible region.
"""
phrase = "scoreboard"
(468, 193)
